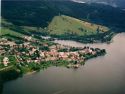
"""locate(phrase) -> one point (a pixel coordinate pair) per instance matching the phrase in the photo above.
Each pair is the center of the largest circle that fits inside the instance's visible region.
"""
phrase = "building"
(5, 61)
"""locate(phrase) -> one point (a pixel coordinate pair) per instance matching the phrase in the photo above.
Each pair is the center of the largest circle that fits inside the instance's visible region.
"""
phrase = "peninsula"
(18, 58)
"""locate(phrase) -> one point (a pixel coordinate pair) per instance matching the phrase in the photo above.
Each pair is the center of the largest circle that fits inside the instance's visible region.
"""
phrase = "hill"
(39, 13)
(8, 28)
(70, 28)
(81, 23)
(14, 32)
(62, 25)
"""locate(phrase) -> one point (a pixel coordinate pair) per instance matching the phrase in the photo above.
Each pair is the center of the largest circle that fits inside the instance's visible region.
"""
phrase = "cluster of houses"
(26, 52)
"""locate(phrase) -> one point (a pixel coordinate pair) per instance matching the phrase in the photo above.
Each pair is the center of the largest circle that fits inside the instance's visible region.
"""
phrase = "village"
(36, 54)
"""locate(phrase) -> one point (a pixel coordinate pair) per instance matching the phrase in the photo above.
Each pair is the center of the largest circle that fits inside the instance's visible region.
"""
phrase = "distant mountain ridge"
(114, 3)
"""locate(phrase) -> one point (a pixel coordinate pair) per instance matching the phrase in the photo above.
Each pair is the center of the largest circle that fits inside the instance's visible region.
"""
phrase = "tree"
(37, 53)
(98, 30)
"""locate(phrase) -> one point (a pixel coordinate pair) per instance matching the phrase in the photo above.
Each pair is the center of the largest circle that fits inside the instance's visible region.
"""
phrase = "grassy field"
(5, 31)
(65, 24)
(9, 28)
(18, 31)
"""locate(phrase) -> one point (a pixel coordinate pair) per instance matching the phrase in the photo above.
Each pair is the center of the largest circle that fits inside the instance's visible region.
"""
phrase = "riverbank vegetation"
(69, 28)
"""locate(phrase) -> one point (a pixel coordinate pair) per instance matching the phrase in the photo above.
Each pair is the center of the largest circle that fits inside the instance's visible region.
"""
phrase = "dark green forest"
(40, 13)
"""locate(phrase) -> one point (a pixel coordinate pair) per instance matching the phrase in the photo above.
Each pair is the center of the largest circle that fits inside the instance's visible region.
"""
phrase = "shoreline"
(89, 63)
(80, 39)
(68, 65)
(21, 69)
(29, 73)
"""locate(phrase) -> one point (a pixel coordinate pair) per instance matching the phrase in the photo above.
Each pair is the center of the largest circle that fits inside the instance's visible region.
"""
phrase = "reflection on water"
(101, 75)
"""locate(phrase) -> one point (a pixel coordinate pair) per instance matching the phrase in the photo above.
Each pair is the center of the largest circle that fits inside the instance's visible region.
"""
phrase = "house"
(5, 61)
(90, 51)
(93, 52)
(28, 38)
(53, 47)
(33, 49)
(63, 55)
(42, 54)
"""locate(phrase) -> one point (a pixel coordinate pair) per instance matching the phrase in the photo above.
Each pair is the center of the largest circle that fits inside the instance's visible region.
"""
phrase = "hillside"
(8, 28)
(61, 25)
(39, 13)
(13, 32)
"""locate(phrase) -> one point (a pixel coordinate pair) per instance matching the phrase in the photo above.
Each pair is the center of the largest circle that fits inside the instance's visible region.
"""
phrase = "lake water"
(101, 75)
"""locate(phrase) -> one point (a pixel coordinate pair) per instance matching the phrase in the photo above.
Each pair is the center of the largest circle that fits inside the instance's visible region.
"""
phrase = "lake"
(101, 75)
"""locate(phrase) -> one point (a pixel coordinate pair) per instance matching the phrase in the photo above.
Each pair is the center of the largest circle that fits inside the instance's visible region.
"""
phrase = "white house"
(5, 61)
